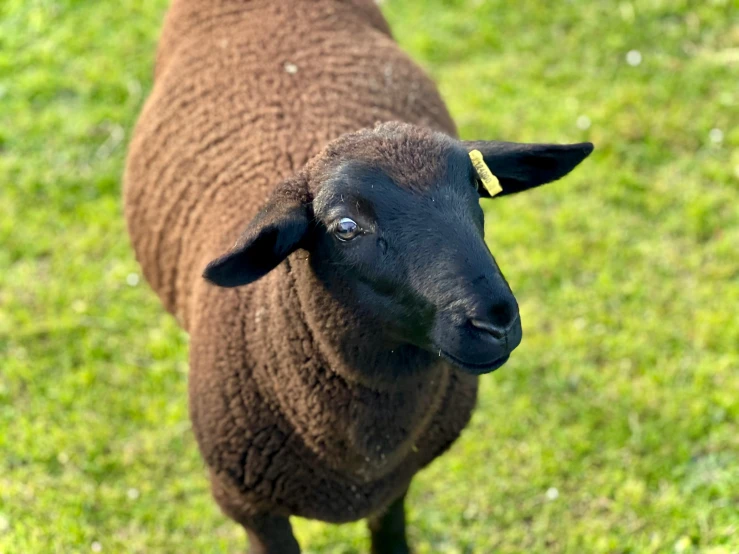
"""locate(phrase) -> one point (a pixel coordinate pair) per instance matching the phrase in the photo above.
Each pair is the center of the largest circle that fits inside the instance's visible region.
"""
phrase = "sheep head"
(392, 214)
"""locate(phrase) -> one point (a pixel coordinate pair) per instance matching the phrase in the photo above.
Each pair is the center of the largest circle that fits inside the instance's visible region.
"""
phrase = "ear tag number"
(489, 181)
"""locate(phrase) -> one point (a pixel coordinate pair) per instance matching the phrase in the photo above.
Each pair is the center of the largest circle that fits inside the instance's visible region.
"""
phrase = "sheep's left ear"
(520, 166)
(277, 230)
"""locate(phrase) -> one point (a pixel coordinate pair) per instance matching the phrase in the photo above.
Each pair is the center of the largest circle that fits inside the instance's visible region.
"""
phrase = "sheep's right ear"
(276, 231)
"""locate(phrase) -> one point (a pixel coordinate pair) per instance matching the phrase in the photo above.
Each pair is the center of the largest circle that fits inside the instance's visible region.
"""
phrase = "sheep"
(292, 155)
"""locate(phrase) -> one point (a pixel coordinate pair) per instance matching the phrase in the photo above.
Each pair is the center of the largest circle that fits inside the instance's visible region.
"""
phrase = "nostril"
(488, 327)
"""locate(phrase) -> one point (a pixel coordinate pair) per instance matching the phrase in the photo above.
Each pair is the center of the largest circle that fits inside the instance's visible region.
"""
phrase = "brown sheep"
(340, 353)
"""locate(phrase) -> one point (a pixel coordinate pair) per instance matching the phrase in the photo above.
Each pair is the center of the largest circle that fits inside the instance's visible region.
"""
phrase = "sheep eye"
(347, 229)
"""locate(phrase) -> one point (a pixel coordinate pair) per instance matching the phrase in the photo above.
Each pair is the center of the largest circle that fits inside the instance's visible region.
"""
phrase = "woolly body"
(245, 94)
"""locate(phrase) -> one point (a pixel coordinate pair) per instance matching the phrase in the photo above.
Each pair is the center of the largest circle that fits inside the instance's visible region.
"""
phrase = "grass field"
(614, 428)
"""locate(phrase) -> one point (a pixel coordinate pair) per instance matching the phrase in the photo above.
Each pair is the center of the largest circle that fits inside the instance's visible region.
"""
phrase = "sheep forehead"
(413, 158)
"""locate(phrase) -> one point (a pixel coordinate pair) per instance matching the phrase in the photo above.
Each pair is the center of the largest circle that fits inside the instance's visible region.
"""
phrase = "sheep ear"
(276, 231)
(520, 167)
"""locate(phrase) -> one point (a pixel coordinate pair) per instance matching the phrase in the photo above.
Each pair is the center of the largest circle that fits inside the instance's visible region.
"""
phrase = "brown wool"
(246, 94)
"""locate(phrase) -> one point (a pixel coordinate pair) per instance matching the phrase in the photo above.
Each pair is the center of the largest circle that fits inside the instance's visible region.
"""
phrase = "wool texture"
(286, 415)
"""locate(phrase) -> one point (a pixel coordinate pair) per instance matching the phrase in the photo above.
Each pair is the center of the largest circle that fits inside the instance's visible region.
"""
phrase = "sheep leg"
(388, 529)
(270, 535)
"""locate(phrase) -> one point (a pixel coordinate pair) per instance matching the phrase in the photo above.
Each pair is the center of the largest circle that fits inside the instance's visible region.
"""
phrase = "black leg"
(388, 529)
(270, 535)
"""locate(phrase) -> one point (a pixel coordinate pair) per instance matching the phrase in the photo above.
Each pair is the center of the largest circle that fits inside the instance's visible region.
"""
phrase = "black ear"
(276, 231)
(520, 166)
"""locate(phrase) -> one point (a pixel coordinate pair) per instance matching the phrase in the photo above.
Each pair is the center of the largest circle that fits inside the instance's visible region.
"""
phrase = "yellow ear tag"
(489, 181)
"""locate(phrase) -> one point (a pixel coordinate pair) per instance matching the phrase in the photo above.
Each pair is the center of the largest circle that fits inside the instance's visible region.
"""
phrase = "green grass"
(624, 397)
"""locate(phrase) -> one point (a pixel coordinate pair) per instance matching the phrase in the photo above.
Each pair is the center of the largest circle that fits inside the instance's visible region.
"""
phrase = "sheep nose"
(494, 316)
(501, 323)
(486, 326)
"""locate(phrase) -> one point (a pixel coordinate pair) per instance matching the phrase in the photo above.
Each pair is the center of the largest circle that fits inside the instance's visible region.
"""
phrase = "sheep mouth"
(476, 369)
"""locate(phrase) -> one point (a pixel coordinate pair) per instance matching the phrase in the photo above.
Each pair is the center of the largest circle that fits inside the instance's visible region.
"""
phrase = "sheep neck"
(361, 420)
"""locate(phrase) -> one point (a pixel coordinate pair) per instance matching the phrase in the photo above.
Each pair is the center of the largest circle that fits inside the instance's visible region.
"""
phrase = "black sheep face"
(393, 216)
